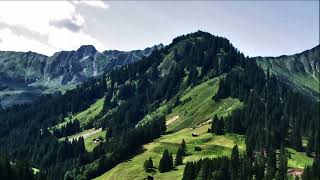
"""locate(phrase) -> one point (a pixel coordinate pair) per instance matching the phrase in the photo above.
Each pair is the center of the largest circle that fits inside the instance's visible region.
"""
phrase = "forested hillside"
(199, 86)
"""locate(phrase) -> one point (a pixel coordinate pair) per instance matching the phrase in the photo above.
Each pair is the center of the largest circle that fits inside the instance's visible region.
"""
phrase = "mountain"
(198, 97)
(299, 70)
(26, 75)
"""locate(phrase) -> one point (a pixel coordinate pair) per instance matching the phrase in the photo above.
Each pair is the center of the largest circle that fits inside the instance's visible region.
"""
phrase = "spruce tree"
(245, 169)
(148, 165)
(183, 147)
(189, 171)
(178, 160)
(283, 164)
(214, 124)
(170, 162)
(259, 166)
(220, 127)
(235, 162)
(271, 163)
(166, 162)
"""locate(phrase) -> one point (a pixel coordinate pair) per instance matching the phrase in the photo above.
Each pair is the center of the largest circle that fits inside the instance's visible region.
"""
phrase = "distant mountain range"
(26, 75)
(298, 70)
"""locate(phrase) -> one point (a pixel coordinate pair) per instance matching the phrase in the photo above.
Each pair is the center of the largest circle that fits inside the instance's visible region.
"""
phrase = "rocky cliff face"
(301, 70)
(24, 73)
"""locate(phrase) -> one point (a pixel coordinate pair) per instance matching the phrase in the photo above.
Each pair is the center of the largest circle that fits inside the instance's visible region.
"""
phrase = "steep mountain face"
(20, 66)
(299, 70)
(24, 75)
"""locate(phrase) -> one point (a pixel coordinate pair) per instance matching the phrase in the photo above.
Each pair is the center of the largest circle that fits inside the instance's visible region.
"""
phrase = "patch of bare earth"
(171, 120)
(295, 172)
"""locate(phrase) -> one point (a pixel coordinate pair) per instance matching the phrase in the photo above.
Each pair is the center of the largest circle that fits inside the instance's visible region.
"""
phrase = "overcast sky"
(256, 28)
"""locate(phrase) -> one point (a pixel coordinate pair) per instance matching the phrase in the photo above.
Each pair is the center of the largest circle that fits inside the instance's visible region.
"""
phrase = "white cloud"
(59, 21)
(93, 3)
(11, 41)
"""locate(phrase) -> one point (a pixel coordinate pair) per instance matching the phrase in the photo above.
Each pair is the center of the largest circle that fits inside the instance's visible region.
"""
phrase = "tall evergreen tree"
(179, 157)
(259, 166)
(148, 164)
(166, 162)
(235, 162)
(183, 147)
(283, 164)
(271, 163)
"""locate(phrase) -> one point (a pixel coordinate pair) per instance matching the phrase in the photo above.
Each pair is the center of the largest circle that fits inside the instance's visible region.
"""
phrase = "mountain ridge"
(24, 74)
(300, 70)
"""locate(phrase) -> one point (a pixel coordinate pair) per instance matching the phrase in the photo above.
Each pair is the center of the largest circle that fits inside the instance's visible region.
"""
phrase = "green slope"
(85, 116)
(197, 105)
(190, 116)
(212, 146)
(299, 70)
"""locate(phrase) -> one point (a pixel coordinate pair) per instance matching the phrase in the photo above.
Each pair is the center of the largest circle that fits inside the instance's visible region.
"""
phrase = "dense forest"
(264, 165)
(273, 113)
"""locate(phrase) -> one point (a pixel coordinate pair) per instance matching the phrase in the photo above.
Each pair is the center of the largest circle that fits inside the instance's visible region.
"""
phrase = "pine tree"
(235, 162)
(271, 163)
(170, 162)
(204, 171)
(283, 164)
(245, 169)
(178, 160)
(183, 147)
(296, 140)
(220, 130)
(310, 145)
(259, 166)
(214, 124)
(166, 162)
(189, 171)
(148, 165)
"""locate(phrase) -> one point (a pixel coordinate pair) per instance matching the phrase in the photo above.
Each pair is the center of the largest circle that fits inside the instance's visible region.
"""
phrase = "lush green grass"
(85, 116)
(197, 105)
(89, 144)
(212, 146)
(298, 159)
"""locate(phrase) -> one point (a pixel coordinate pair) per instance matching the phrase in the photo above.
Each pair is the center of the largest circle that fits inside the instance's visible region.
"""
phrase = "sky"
(256, 28)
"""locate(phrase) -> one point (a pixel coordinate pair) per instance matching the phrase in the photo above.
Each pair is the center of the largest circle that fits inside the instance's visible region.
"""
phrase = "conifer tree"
(214, 124)
(271, 163)
(310, 145)
(235, 162)
(166, 162)
(259, 166)
(178, 160)
(283, 164)
(189, 171)
(183, 147)
(148, 165)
